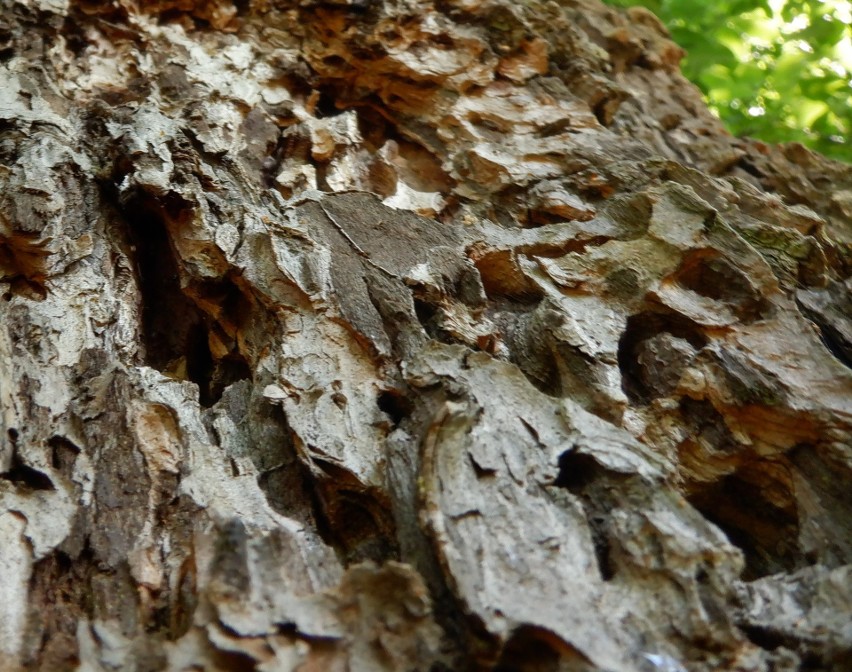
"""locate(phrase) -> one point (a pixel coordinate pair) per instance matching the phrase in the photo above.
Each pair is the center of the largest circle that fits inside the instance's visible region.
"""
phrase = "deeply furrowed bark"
(400, 335)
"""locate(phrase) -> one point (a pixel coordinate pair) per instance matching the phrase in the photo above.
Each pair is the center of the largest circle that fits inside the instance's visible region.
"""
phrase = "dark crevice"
(233, 309)
(233, 661)
(359, 521)
(395, 405)
(708, 274)
(24, 264)
(480, 471)
(169, 319)
(641, 327)
(830, 336)
(21, 474)
(326, 105)
(427, 314)
(765, 531)
(176, 333)
(26, 477)
(707, 425)
(63, 454)
(836, 344)
(576, 471)
(535, 649)
(769, 639)
(599, 525)
(580, 474)
(750, 168)
(288, 484)
(763, 637)
(321, 168)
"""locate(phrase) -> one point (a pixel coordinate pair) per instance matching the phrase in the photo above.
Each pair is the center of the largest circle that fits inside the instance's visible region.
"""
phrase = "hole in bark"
(23, 261)
(764, 637)
(817, 661)
(426, 314)
(359, 520)
(359, 528)
(232, 660)
(288, 485)
(708, 274)
(835, 343)
(535, 649)
(334, 61)
(395, 405)
(63, 453)
(176, 332)
(755, 507)
(750, 168)
(228, 309)
(25, 477)
(641, 327)
(707, 426)
(606, 108)
(287, 489)
(576, 471)
(168, 317)
(599, 525)
(7, 46)
(831, 337)
(326, 105)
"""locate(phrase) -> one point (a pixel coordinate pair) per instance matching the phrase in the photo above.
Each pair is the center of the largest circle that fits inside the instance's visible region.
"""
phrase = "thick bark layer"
(410, 336)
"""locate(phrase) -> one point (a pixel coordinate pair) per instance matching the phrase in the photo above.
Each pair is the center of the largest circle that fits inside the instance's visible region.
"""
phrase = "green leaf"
(741, 53)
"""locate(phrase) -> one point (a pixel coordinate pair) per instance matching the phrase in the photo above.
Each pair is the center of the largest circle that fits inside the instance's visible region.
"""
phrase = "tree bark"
(362, 335)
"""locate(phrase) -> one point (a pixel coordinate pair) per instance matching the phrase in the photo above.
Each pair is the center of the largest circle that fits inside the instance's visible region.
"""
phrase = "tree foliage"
(777, 70)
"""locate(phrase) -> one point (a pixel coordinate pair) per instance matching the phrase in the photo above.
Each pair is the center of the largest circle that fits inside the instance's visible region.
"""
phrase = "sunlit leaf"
(789, 59)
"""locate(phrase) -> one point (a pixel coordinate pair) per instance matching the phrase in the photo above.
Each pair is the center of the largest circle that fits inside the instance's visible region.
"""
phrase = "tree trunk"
(360, 335)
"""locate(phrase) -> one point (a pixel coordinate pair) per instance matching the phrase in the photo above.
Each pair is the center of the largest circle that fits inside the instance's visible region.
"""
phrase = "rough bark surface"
(360, 335)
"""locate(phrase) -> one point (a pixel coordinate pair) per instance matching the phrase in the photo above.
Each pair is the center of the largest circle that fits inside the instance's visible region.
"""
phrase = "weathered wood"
(410, 336)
